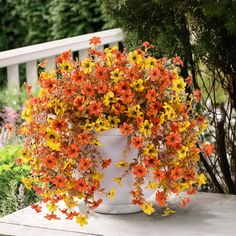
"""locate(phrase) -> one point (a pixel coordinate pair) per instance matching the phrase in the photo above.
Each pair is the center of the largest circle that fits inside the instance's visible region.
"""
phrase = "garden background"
(202, 33)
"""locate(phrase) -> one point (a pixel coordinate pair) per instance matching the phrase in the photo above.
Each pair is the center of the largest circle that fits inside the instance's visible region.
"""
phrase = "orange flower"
(95, 108)
(36, 207)
(177, 61)
(197, 95)
(137, 142)
(50, 161)
(132, 73)
(208, 149)
(85, 163)
(102, 87)
(80, 185)
(152, 95)
(79, 103)
(106, 163)
(94, 41)
(59, 125)
(127, 96)
(155, 73)
(88, 89)
(122, 86)
(148, 45)
(184, 202)
(173, 140)
(150, 161)
(161, 198)
(126, 129)
(176, 173)
(58, 181)
(140, 171)
(159, 174)
(100, 72)
(83, 138)
(52, 217)
(73, 151)
(78, 76)
(71, 215)
(117, 109)
(95, 204)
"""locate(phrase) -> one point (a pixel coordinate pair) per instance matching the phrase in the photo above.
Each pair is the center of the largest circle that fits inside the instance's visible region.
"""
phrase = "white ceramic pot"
(113, 145)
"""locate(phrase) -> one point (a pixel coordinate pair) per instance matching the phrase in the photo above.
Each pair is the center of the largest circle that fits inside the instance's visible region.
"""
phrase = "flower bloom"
(161, 198)
(94, 41)
(159, 174)
(95, 108)
(140, 171)
(137, 142)
(50, 161)
(80, 185)
(73, 150)
(176, 173)
(85, 163)
(126, 129)
(173, 140)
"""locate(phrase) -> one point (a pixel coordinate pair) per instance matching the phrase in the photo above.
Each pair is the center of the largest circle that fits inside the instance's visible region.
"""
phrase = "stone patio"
(207, 214)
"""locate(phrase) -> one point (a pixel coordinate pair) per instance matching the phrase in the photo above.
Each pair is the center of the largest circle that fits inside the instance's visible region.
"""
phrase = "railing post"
(50, 63)
(31, 73)
(13, 79)
(83, 54)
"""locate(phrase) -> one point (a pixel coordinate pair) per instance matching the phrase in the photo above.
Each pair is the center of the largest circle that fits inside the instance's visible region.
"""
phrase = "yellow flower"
(117, 75)
(87, 65)
(54, 145)
(184, 126)
(146, 128)
(182, 187)
(88, 125)
(71, 202)
(182, 153)
(98, 176)
(135, 57)
(59, 107)
(150, 150)
(96, 142)
(117, 180)
(134, 111)
(122, 164)
(109, 98)
(168, 212)
(147, 208)
(179, 85)
(82, 220)
(27, 182)
(201, 179)
(137, 85)
(152, 185)
(111, 194)
(51, 206)
(102, 124)
(27, 112)
(150, 62)
(65, 66)
(114, 121)
(169, 112)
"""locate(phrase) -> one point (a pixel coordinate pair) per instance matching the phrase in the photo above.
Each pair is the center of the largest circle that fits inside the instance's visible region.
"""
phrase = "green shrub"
(13, 195)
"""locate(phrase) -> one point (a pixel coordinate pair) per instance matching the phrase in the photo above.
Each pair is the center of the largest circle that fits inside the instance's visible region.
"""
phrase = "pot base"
(117, 209)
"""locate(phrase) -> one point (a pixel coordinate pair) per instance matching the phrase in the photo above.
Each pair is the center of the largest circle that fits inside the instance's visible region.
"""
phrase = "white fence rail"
(30, 54)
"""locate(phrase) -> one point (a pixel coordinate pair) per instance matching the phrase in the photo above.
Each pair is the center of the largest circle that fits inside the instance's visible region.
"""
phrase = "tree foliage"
(203, 33)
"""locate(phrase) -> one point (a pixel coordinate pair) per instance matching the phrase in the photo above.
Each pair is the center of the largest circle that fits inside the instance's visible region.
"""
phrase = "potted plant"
(87, 111)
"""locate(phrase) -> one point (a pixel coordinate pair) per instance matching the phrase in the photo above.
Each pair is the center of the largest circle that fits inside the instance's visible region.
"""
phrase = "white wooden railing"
(30, 54)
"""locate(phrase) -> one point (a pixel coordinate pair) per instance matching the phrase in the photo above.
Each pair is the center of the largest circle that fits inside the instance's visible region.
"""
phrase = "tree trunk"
(221, 152)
